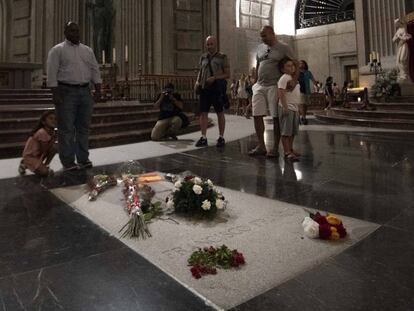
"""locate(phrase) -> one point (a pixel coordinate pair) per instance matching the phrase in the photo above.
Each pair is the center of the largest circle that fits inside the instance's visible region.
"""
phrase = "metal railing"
(146, 88)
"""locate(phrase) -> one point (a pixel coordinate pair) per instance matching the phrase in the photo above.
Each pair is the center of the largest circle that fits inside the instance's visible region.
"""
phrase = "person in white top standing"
(71, 67)
(264, 100)
(288, 108)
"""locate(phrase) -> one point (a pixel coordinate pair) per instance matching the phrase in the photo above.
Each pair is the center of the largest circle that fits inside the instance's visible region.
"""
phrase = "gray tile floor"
(53, 258)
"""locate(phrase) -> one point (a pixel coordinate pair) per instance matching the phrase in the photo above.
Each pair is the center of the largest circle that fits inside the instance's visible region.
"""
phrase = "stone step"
(15, 149)
(25, 91)
(25, 101)
(374, 114)
(21, 134)
(26, 111)
(331, 118)
(25, 96)
(97, 118)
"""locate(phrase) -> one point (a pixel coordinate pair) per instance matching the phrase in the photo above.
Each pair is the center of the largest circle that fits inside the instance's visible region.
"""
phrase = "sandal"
(291, 157)
(295, 153)
(257, 152)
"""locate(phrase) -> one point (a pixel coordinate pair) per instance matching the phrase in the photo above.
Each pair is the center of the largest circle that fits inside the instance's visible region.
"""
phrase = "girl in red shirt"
(40, 147)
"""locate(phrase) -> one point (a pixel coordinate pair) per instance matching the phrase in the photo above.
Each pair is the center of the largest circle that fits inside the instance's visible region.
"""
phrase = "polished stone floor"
(52, 258)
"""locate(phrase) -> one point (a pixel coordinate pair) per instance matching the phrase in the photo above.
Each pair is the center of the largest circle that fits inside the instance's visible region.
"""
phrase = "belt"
(73, 85)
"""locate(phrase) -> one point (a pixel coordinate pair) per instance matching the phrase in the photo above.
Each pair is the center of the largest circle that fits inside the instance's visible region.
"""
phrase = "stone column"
(4, 29)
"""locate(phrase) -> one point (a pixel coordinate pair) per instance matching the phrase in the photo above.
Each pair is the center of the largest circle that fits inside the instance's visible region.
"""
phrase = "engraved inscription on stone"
(217, 238)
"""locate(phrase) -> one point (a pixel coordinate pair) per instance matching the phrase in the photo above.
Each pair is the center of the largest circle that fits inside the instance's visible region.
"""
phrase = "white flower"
(210, 184)
(219, 204)
(170, 203)
(311, 228)
(178, 184)
(206, 205)
(197, 189)
(197, 180)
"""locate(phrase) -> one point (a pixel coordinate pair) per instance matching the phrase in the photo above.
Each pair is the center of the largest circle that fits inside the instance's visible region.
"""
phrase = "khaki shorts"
(264, 100)
(289, 122)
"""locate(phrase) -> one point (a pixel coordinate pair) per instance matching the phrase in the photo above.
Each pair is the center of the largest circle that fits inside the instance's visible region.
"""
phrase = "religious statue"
(401, 38)
(101, 13)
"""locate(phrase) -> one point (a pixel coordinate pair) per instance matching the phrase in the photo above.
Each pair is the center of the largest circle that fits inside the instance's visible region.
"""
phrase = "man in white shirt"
(71, 67)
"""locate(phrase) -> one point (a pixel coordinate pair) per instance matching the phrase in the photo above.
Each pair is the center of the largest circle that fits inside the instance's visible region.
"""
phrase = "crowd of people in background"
(280, 86)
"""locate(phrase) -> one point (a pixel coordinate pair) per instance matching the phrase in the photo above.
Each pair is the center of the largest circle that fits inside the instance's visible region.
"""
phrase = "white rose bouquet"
(194, 196)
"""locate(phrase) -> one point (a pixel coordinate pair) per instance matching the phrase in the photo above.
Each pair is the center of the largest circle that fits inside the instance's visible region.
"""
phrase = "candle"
(359, 99)
(113, 55)
(370, 57)
(103, 57)
(126, 52)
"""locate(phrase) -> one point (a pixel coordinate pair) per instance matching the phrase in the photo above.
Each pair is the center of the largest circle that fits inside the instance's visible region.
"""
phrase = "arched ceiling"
(311, 13)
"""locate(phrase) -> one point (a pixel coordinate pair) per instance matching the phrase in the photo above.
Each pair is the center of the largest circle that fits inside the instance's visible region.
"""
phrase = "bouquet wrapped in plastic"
(139, 207)
(98, 184)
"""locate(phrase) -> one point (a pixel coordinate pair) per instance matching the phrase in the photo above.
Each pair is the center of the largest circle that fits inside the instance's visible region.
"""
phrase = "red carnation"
(187, 178)
(341, 230)
(324, 231)
(195, 271)
(321, 220)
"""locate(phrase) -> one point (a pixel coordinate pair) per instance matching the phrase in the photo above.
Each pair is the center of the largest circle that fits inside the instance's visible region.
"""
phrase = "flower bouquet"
(140, 208)
(207, 260)
(197, 197)
(98, 184)
(327, 227)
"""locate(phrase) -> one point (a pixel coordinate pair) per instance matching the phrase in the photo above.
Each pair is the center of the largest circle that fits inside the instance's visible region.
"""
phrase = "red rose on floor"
(195, 271)
(324, 231)
(321, 220)
(341, 230)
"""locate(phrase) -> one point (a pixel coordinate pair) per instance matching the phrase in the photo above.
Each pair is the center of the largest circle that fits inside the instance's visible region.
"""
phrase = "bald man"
(211, 86)
(264, 100)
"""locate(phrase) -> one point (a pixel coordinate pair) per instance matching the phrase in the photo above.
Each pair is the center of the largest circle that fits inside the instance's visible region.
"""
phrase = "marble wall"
(328, 49)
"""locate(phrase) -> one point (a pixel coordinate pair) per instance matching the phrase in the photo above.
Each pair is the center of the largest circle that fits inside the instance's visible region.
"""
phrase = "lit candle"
(113, 55)
(370, 57)
(126, 52)
(359, 99)
(103, 57)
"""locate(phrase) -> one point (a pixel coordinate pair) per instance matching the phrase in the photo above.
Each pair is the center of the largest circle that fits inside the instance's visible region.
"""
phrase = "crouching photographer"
(171, 117)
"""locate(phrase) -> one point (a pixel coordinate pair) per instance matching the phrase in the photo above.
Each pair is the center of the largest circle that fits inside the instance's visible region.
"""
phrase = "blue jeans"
(74, 113)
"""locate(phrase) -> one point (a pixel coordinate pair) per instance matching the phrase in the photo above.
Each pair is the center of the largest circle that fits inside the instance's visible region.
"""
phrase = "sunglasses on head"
(267, 53)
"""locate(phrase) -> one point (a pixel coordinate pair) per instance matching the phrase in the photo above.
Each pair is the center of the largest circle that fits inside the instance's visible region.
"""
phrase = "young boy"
(288, 108)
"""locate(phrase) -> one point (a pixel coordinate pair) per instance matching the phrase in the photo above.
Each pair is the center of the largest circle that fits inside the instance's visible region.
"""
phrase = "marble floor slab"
(267, 231)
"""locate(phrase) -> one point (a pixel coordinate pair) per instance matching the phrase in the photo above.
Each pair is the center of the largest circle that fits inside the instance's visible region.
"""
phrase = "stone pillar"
(4, 29)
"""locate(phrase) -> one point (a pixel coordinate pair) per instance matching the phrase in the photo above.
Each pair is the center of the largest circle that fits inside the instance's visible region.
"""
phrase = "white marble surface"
(268, 232)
